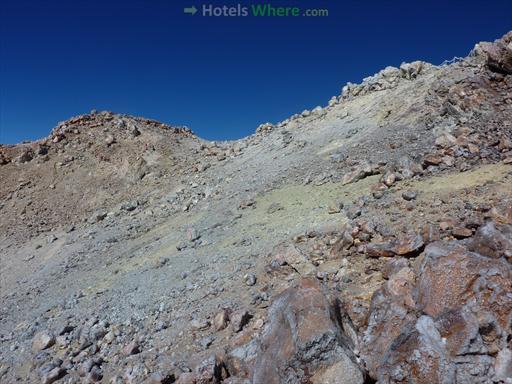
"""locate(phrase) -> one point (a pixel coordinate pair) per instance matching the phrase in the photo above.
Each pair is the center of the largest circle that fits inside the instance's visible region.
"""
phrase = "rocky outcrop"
(303, 340)
(498, 55)
(386, 79)
(449, 323)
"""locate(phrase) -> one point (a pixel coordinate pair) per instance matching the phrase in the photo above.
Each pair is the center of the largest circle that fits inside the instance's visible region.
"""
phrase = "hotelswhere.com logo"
(254, 10)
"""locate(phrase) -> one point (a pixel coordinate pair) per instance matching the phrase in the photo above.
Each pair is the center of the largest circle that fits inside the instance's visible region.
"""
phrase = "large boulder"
(498, 55)
(304, 341)
(392, 308)
(493, 240)
(417, 355)
(451, 321)
(451, 276)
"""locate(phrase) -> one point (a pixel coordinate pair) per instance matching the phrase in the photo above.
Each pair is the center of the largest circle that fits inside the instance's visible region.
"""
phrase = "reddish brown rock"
(498, 55)
(451, 276)
(418, 356)
(466, 299)
(459, 328)
(383, 249)
(493, 240)
(461, 232)
(432, 159)
(430, 233)
(302, 339)
(407, 245)
(473, 149)
(393, 266)
(294, 257)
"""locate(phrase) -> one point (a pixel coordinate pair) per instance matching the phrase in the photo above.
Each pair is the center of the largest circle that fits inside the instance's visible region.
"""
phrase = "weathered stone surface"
(391, 309)
(493, 240)
(341, 372)
(294, 257)
(302, 338)
(497, 55)
(42, 340)
(459, 329)
(357, 174)
(450, 324)
(461, 232)
(418, 355)
(239, 319)
(451, 276)
(408, 244)
(221, 320)
(383, 249)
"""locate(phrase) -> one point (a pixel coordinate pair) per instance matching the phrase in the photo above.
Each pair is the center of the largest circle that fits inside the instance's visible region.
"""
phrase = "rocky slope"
(366, 241)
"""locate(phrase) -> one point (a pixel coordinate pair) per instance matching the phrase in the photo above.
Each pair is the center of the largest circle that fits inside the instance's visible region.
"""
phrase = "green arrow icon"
(192, 10)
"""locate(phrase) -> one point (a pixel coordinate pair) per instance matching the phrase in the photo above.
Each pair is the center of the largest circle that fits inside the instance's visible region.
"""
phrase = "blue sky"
(221, 76)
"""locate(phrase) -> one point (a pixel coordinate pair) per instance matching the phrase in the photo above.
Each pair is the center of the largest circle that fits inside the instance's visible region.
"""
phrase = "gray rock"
(42, 340)
(409, 195)
(250, 279)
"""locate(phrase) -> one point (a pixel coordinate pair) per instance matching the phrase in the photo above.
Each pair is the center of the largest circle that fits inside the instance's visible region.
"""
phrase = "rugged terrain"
(366, 241)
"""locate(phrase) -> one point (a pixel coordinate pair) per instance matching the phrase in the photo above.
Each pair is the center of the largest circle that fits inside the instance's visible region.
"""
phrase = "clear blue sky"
(220, 76)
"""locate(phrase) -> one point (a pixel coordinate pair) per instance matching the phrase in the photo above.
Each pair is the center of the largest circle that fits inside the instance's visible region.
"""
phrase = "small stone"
(205, 342)
(409, 195)
(432, 159)
(51, 239)
(389, 178)
(130, 206)
(352, 211)
(162, 261)
(258, 324)
(274, 207)
(98, 216)
(131, 349)
(221, 320)
(109, 337)
(110, 140)
(239, 320)
(378, 194)
(42, 340)
(250, 279)
(393, 266)
(408, 245)
(461, 232)
(199, 325)
(52, 376)
(445, 225)
(383, 249)
(161, 378)
(192, 234)
(95, 374)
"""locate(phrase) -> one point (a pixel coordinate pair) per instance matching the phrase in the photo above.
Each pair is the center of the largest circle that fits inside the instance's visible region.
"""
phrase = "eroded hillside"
(369, 240)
